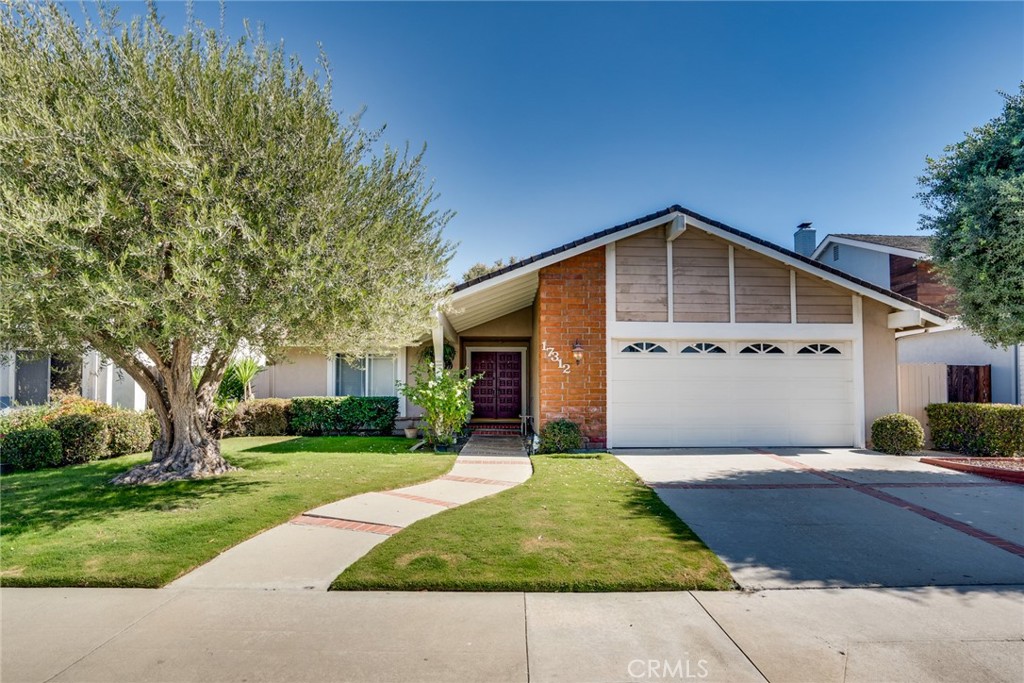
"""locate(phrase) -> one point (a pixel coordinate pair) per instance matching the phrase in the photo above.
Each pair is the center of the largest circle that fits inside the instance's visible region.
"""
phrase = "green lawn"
(69, 527)
(581, 523)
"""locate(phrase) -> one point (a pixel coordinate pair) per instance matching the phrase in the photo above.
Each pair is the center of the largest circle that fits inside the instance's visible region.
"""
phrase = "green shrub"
(560, 436)
(318, 415)
(32, 417)
(897, 434)
(154, 424)
(983, 429)
(31, 449)
(444, 398)
(72, 404)
(264, 417)
(222, 421)
(83, 437)
(129, 432)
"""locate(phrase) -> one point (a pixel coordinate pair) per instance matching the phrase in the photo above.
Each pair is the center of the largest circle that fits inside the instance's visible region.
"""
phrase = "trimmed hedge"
(31, 449)
(82, 437)
(983, 429)
(560, 436)
(897, 434)
(318, 415)
(264, 417)
(130, 432)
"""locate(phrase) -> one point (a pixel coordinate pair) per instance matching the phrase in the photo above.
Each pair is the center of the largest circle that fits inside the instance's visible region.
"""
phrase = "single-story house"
(902, 263)
(670, 330)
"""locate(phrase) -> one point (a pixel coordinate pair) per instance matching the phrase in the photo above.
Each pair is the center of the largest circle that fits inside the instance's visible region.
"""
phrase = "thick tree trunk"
(185, 450)
(189, 452)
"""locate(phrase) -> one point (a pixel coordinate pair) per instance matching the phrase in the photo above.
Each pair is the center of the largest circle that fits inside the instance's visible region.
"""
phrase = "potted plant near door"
(444, 397)
(412, 432)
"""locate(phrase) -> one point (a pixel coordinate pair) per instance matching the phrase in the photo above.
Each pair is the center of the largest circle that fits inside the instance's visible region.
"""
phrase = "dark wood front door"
(499, 393)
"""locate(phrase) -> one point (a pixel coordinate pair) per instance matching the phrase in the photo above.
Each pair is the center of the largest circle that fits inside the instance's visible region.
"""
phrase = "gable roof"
(538, 261)
(921, 243)
(910, 246)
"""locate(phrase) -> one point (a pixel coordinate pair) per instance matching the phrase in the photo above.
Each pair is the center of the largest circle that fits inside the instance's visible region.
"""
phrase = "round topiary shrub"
(82, 437)
(129, 432)
(897, 434)
(31, 449)
(560, 436)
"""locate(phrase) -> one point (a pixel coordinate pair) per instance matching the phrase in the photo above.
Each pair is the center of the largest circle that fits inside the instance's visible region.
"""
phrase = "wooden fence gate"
(969, 383)
(924, 383)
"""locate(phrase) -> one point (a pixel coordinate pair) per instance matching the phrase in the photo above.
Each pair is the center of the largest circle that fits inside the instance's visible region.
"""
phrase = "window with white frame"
(761, 349)
(702, 347)
(644, 347)
(367, 376)
(819, 350)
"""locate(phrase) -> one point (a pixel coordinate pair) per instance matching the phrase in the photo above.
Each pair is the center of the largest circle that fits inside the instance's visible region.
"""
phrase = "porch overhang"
(476, 306)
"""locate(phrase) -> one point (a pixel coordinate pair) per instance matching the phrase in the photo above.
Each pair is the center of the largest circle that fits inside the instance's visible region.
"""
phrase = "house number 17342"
(555, 358)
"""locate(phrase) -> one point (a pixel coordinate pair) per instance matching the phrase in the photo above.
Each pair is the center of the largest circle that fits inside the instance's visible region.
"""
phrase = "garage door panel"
(736, 400)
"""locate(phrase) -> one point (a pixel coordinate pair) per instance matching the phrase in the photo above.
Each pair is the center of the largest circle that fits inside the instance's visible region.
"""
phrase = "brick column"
(571, 301)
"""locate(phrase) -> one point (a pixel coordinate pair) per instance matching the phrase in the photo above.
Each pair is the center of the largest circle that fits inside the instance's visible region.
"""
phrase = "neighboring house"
(30, 377)
(105, 382)
(688, 333)
(902, 263)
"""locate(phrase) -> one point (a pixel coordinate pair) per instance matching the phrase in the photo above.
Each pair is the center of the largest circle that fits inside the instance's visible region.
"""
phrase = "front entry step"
(495, 428)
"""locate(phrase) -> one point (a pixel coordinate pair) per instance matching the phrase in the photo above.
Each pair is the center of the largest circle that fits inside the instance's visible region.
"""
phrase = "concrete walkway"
(951, 634)
(311, 550)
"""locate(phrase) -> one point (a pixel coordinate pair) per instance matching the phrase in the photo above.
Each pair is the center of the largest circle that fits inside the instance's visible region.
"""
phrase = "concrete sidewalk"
(925, 634)
(311, 550)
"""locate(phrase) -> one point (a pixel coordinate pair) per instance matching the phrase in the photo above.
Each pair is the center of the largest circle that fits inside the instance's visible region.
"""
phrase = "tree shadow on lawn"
(55, 499)
(339, 444)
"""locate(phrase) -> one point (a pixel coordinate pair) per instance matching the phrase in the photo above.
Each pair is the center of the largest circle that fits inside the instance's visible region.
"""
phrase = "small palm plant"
(245, 371)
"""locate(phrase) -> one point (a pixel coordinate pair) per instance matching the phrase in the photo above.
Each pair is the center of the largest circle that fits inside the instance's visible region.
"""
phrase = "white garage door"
(718, 393)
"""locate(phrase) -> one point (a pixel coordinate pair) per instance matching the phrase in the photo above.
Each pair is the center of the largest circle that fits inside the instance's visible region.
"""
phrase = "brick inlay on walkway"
(478, 480)
(467, 461)
(420, 499)
(347, 524)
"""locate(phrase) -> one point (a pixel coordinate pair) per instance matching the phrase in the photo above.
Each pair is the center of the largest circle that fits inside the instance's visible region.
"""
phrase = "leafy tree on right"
(975, 195)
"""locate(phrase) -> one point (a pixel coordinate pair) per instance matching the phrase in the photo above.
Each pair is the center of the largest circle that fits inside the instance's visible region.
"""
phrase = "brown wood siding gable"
(919, 281)
(700, 279)
(820, 302)
(641, 277)
(903, 275)
(762, 289)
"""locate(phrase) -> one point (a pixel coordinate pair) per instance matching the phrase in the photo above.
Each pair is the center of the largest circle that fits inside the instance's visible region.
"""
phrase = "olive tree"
(165, 197)
(975, 192)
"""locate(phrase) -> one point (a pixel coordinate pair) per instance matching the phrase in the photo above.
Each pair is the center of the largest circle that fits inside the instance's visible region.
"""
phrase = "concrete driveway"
(798, 518)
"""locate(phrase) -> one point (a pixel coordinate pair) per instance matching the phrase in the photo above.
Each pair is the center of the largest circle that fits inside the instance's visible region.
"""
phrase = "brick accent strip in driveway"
(873, 491)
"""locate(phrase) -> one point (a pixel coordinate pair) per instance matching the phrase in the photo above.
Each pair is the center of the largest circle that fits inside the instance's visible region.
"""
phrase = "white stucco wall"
(299, 373)
(867, 264)
(961, 347)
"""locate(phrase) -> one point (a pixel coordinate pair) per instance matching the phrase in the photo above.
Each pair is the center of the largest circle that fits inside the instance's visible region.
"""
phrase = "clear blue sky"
(546, 122)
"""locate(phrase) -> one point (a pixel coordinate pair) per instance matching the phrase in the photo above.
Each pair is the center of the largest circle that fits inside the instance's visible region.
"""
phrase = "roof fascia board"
(871, 246)
(563, 255)
(811, 270)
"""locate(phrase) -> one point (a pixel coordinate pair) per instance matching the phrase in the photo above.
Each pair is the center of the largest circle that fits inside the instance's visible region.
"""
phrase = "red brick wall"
(571, 305)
